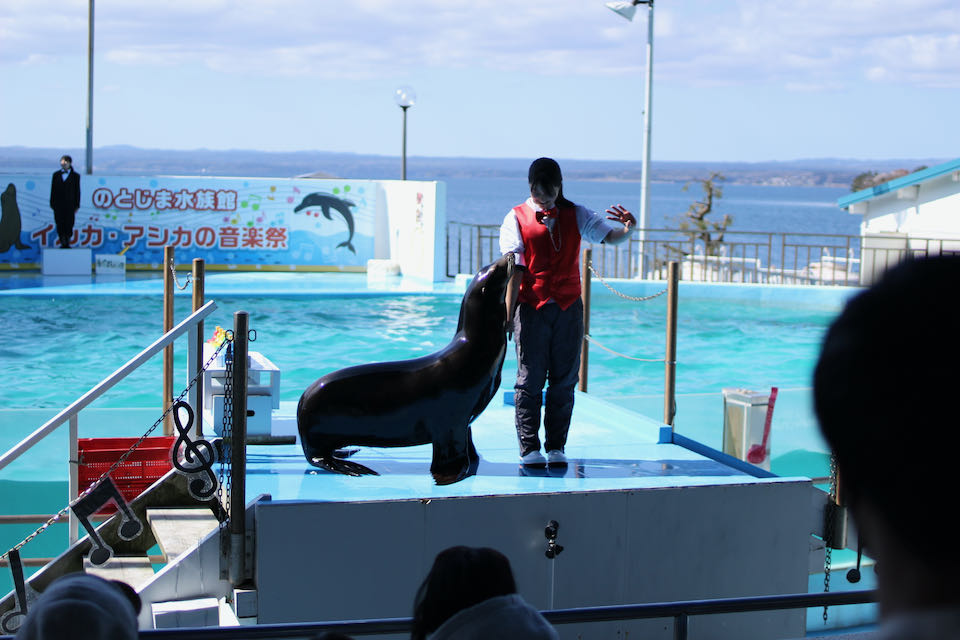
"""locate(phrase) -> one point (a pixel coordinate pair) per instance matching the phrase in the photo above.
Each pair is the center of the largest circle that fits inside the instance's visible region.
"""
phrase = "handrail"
(769, 257)
(106, 384)
(676, 610)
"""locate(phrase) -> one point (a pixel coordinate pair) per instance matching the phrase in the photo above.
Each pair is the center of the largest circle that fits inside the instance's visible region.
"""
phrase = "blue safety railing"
(680, 612)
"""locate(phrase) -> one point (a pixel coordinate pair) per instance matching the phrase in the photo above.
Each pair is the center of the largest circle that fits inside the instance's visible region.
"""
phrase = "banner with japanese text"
(240, 223)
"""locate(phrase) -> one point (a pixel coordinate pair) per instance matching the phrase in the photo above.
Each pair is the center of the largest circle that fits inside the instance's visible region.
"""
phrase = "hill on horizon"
(127, 160)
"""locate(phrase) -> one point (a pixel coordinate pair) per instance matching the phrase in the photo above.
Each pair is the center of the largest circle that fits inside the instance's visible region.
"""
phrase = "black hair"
(461, 577)
(545, 172)
(67, 158)
(884, 389)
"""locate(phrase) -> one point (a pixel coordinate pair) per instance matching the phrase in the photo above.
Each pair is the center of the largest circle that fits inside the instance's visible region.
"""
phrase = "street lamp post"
(627, 10)
(90, 88)
(405, 98)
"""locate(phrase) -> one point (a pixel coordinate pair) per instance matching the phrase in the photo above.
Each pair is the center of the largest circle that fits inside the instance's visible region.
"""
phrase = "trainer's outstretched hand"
(620, 213)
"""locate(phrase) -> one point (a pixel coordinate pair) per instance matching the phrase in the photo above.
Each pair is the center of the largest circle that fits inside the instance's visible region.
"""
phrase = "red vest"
(553, 264)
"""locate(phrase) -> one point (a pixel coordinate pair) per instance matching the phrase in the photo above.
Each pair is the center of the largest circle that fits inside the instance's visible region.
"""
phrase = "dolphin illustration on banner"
(325, 202)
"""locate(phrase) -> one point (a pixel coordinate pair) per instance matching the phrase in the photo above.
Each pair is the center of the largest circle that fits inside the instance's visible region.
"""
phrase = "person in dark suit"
(65, 199)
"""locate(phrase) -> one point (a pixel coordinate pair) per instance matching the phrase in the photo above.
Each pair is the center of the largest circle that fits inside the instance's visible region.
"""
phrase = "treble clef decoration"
(198, 457)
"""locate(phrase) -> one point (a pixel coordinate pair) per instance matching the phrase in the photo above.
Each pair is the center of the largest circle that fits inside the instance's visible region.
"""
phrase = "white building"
(918, 213)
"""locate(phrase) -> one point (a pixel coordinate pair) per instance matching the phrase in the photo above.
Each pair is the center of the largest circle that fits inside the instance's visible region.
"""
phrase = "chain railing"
(737, 256)
(70, 414)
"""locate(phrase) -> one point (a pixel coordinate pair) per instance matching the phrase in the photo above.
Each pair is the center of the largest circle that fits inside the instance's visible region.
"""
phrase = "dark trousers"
(548, 351)
(65, 220)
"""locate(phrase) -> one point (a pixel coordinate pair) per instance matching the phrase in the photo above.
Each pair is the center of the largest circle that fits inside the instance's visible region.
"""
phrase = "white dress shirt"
(593, 228)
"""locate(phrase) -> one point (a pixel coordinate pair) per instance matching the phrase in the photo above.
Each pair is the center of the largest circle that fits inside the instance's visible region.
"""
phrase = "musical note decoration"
(11, 620)
(103, 493)
(198, 457)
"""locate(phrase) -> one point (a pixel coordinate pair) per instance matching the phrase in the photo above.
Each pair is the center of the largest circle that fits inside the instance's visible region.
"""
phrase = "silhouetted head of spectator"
(460, 578)
(885, 390)
(81, 606)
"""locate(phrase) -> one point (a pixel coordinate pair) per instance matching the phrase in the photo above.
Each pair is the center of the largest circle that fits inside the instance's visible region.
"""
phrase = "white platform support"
(66, 262)
(201, 612)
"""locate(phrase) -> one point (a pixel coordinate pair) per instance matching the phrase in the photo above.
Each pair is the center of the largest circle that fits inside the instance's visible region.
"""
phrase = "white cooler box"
(263, 395)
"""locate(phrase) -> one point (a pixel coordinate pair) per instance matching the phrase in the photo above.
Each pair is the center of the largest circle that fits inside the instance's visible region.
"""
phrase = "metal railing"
(70, 414)
(741, 256)
(680, 612)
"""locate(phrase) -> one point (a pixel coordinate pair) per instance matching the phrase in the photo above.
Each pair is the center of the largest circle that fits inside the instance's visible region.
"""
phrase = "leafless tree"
(694, 222)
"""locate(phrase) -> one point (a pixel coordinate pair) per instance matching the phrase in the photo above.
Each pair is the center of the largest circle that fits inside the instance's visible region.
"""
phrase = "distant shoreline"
(124, 160)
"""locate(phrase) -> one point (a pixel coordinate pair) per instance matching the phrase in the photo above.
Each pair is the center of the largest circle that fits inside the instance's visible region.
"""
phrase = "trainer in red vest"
(553, 258)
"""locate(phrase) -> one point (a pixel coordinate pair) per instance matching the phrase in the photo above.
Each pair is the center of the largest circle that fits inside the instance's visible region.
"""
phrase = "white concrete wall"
(411, 227)
(356, 560)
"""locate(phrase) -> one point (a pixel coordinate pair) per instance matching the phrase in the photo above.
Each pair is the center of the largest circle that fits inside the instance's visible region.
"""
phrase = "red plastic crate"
(144, 466)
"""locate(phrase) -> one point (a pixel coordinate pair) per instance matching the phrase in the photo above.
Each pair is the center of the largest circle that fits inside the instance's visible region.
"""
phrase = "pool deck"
(228, 283)
(609, 448)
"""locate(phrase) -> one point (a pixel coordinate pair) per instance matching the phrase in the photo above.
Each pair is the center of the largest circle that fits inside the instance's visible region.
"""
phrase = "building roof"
(899, 183)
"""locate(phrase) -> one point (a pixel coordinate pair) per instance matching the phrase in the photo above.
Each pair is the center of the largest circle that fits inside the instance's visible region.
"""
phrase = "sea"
(772, 209)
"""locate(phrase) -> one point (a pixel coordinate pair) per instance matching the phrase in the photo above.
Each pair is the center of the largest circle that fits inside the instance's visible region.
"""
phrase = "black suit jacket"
(65, 194)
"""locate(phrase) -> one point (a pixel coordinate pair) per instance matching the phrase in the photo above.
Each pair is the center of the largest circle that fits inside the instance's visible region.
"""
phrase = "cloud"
(796, 44)
(804, 44)
(924, 60)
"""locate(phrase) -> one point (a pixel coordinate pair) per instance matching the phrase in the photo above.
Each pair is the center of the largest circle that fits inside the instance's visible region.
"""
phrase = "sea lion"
(432, 399)
(325, 202)
(10, 223)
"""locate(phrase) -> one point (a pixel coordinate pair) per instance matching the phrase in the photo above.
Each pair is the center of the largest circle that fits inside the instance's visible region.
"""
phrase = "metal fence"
(741, 256)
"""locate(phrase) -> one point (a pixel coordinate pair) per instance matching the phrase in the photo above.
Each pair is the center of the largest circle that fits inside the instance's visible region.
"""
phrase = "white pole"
(89, 161)
(403, 171)
(645, 176)
(73, 479)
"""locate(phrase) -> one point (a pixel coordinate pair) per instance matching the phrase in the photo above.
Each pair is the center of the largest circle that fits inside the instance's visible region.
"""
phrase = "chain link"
(176, 281)
(622, 295)
(828, 530)
(593, 340)
(53, 519)
(226, 457)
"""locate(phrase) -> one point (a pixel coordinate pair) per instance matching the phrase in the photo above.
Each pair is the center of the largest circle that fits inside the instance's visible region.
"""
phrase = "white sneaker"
(533, 458)
(556, 457)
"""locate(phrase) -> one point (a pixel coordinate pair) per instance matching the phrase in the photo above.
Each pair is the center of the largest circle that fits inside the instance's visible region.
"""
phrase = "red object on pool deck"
(758, 452)
(144, 466)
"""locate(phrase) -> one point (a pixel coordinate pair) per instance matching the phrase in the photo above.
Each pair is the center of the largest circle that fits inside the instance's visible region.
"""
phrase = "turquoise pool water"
(63, 340)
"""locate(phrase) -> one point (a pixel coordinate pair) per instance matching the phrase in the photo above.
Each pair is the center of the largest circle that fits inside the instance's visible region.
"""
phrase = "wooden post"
(168, 262)
(670, 360)
(585, 296)
(238, 449)
(198, 301)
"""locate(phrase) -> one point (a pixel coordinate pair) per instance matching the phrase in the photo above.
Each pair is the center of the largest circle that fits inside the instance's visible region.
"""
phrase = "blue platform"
(609, 448)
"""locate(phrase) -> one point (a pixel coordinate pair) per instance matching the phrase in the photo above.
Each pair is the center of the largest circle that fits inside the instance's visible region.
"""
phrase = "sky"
(733, 80)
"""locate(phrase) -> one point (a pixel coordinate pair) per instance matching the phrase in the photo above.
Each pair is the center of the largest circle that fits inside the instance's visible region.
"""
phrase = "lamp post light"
(627, 10)
(405, 98)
